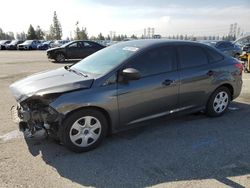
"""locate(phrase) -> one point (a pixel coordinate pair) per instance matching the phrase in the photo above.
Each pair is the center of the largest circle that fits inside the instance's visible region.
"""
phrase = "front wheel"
(60, 57)
(84, 130)
(218, 102)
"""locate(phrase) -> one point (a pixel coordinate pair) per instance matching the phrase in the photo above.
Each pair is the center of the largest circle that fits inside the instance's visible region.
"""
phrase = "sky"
(196, 17)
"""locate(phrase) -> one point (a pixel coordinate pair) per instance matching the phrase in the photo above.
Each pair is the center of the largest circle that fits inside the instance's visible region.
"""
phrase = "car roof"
(144, 43)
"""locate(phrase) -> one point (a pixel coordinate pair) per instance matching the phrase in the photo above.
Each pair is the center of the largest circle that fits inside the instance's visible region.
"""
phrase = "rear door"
(156, 92)
(87, 49)
(195, 76)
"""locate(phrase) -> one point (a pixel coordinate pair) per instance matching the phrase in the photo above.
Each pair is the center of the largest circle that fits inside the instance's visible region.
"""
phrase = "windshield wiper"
(77, 72)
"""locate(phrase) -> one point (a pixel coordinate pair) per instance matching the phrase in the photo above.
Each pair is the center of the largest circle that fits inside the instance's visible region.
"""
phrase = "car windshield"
(28, 42)
(13, 42)
(106, 59)
(47, 42)
(3, 41)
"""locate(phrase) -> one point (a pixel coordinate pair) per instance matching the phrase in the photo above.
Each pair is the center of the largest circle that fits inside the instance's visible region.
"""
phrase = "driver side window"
(155, 61)
(74, 45)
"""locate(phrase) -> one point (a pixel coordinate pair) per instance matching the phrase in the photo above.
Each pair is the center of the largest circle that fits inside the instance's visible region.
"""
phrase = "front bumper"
(34, 123)
(50, 55)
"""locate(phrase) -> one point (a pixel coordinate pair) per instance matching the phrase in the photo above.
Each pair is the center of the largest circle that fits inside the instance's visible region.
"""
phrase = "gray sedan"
(124, 85)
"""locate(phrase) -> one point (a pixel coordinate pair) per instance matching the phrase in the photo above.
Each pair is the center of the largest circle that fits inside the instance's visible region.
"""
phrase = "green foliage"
(31, 33)
(39, 33)
(100, 37)
(57, 27)
(55, 31)
(6, 36)
(133, 36)
(80, 34)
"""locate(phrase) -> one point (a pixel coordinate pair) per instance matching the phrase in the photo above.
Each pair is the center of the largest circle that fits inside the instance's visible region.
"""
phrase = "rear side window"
(191, 56)
(155, 61)
(213, 55)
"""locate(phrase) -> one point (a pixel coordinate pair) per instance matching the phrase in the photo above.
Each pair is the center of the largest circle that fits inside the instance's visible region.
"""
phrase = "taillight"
(239, 66)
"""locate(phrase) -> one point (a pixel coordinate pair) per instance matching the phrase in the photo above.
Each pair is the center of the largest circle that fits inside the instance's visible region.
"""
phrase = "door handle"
(168, 82)
(210, 73)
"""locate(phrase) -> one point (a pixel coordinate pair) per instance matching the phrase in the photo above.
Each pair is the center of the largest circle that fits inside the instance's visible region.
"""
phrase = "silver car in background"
(226, 47)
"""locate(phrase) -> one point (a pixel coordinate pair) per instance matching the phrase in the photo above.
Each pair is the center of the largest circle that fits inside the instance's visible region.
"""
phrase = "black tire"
(60, 57)
(212, 107)
(67, 129)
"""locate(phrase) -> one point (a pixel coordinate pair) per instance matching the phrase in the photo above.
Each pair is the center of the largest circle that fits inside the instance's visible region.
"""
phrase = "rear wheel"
(60, 57)
(84, 130)
(218, 102)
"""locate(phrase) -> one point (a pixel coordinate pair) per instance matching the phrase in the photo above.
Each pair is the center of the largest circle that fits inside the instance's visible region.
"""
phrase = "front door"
(156, 93)
(74, 50)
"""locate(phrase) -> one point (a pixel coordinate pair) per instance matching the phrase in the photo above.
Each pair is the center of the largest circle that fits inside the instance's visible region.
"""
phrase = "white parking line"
(11, 135)
(233, 108)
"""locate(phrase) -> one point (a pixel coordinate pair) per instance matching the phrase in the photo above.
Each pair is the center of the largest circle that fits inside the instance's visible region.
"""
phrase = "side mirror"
(131, 74)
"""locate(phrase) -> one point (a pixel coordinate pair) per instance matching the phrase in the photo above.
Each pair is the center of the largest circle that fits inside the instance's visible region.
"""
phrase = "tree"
(21, 36)
(6, 36)
(50, 35)
(100, 37)
(57, 27)
(133, 36)
(80, 34)
(93, 38)
(39, 33)
(55, 31)
(31, 33)
(108, 38)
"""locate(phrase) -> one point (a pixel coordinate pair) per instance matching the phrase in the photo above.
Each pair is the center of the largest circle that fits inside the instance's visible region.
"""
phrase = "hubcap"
(220, 102)
(85, 131)
(60, 57)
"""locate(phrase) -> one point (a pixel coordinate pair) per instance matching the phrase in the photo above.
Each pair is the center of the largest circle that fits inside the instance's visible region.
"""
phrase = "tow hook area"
(36, 132)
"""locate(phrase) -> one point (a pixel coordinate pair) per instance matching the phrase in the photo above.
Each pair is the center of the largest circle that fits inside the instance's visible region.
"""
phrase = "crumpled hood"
(54, 81)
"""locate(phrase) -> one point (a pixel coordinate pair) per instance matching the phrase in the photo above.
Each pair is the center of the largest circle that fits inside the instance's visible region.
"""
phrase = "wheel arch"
(229, 87)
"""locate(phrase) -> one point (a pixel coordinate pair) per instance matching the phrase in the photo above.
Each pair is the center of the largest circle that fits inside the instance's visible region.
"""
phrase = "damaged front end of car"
(34, 95)
(36, 118)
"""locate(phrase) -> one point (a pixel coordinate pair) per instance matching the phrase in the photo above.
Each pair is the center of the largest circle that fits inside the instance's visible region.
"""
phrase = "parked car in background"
(28, 45)
(74, 50)
(3, 44)
(58, 43)
(246, 47)
(123, 85)
(13, 44)
(44, 46)
(226, 47)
